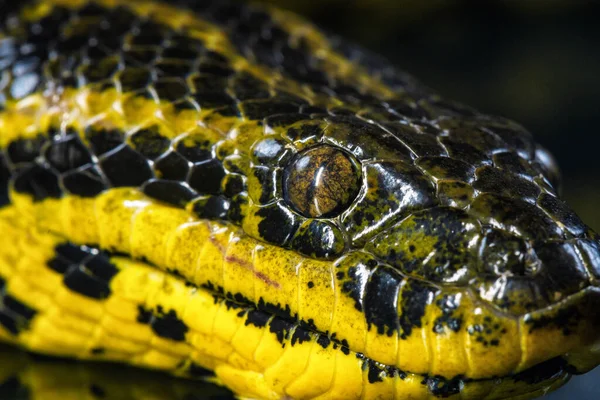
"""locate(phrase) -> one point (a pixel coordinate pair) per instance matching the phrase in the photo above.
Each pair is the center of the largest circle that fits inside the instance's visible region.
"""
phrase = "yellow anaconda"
(205, 187)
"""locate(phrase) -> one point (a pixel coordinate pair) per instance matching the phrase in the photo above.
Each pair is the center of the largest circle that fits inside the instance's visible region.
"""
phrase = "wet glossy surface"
(429, 210)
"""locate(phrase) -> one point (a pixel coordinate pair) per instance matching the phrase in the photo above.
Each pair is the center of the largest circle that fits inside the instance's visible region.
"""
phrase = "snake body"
(224, 192)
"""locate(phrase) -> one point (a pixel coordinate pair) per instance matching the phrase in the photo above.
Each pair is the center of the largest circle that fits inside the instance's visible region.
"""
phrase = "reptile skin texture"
(225, 193)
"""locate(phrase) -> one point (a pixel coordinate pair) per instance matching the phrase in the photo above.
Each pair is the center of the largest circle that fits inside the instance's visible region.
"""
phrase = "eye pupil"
(321, 182)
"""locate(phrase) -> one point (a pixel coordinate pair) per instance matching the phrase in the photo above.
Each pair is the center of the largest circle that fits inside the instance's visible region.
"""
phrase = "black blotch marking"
(104, 69)
(15, 316)
(172, 166)
(199, 372)
(443, 387)
(67, 254)
(448, 304)
(19, 308)
(4, 180)
(247, 87)
(415, 297)
(144, 315)
(381, 300)
(206, 177)
(566, 318)
(86, 182)
(102, 141)
(310, 284)
(149, 142)
(236, 211)
(81, 280)
(218, 101)
(300, 335)
(67, 154)
(487, 333)
(132, 79)
(25, 150)
(281, 322)
(126, 167)
(97, 391)
(234, 184)
(278, 224)
(176, 272)
(305, 132)
(257, 318)
(267, 179)
(377, 372)
(101, 267)
(542, 372)
(281, 328)
(323, 341)
(39, 182)
(171, 192)
(285, 120)
(259, 109)
(165, 324)
(171, 90)
(212, 207)
(320, 239)
(85, 270)
(354, 274)
(98, 350)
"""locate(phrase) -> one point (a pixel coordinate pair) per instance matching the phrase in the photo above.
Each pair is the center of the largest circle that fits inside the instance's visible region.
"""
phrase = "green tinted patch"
(439, 245)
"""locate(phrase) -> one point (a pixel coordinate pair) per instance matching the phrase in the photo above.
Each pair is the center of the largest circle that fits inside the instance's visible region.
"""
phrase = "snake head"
(463, 207)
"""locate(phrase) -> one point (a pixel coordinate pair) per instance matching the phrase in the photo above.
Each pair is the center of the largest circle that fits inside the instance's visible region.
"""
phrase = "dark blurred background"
(534, 61)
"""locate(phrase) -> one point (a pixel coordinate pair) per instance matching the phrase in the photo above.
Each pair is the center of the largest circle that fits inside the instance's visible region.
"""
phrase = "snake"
(222, 192)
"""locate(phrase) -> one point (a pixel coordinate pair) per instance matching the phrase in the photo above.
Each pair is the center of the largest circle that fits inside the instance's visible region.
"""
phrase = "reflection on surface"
(30, 377)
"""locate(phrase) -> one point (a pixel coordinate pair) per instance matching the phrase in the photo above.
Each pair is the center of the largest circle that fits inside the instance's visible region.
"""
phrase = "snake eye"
(321, 182)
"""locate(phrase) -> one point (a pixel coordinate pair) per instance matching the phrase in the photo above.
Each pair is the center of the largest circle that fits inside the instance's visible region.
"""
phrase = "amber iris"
(321, 182)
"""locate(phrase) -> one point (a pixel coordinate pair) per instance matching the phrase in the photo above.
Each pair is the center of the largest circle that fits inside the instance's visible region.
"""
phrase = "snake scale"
(223, 192)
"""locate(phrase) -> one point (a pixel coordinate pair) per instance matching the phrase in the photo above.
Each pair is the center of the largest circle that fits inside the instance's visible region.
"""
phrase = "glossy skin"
(224, 187)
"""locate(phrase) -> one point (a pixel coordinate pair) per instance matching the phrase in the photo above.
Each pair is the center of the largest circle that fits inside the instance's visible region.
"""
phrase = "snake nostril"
(504, 254)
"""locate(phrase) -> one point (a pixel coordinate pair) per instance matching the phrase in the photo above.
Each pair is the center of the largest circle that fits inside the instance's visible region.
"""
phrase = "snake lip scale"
(224, 193)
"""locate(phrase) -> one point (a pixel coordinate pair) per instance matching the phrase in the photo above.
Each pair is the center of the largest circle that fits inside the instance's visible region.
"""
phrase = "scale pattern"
(326, 210)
